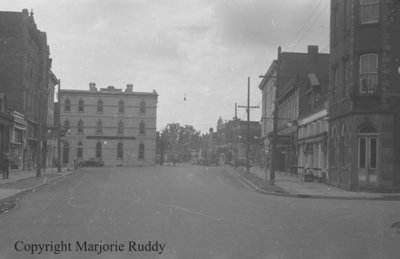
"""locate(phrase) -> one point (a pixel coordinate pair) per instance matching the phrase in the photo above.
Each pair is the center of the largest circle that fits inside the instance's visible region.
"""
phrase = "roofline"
(267, 75)
(71, 91)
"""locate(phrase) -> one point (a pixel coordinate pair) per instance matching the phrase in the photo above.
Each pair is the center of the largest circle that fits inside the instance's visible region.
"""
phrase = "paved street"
(196, 212)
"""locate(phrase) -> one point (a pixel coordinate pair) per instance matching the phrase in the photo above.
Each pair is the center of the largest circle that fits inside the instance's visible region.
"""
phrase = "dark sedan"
(91, 162)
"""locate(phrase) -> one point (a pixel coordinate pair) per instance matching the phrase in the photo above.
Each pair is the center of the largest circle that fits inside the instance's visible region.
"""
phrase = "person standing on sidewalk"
(5, 166)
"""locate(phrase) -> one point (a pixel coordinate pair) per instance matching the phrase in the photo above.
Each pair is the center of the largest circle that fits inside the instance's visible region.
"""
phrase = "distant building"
(268, 88)
(50, 141)
(118, 127)
(364, 103)
(24, 75)
(230, 141)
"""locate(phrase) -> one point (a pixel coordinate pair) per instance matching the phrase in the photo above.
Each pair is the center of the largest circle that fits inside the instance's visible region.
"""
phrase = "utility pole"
(275, 123)
(236, 138)
(248, 124)
(39, 133)
(59, 128)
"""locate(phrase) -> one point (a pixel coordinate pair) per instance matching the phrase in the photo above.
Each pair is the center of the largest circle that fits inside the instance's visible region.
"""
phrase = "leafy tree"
(179, 140)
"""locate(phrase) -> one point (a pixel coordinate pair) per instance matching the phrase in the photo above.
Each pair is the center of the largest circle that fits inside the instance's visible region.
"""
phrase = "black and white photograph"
(200, 129)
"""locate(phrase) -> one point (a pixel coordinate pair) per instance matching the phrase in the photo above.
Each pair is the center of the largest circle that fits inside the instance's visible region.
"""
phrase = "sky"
(197, 54)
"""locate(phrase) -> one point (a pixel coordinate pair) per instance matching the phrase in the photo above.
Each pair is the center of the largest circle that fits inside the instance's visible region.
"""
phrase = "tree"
(180, 140)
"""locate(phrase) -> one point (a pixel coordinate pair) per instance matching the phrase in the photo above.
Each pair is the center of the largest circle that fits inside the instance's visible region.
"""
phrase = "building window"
(143, 107)
(120, 127)
(142, 128)
(141, 151)
(334, 147)
(346, 79)
(66, 125)
(347, 14)
(121, 107)
(80, 127)
(343, 146)
(335, 25)
(120, 150)
(67, 107)
(98, 149)
(65, 152)
(334, 84)
(100, 106)
(99, 127)
(79, 150)
(368, 73)
(81, 106)
(369, 11)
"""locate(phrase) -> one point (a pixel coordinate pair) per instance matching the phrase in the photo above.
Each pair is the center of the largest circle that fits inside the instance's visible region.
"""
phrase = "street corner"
(257, 183)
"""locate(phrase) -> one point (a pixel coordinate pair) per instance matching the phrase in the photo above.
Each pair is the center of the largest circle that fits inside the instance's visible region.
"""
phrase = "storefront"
(312, 145)
(18, 130)
(5, 123)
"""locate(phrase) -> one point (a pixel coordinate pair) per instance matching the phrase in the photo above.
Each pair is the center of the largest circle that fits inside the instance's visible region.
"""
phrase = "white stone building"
(118, 127)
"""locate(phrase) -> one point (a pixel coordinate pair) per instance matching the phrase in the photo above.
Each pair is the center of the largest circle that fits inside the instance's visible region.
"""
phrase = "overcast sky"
(202, 49)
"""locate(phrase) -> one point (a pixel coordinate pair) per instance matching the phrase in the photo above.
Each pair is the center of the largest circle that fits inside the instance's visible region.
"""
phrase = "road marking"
(173, 206)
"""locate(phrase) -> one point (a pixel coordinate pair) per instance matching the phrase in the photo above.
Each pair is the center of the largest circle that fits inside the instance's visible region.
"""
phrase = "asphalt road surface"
(189, 212)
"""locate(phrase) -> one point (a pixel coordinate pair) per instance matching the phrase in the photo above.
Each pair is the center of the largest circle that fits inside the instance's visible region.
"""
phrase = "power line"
(315, 20)
(303, 26)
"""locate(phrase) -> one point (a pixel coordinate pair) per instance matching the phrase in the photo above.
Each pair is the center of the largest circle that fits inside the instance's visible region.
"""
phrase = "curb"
(314, 196)
(10, 198)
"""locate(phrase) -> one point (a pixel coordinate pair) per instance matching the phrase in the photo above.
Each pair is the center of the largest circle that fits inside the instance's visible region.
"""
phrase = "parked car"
(241, 162)
(91, 162)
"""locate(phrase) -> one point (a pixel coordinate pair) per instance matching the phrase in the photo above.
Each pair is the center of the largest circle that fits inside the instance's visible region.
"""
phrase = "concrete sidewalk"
(20, 182)
(295, 187)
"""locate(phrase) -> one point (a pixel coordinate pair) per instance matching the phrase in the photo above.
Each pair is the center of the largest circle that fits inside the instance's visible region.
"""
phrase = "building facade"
(231, 139)
(50, 139)
(24, 69)
(17, 140)
(5, 124)
(364, 92)
(268, 88)
(118, 127)
(293, 79)
(313, 128)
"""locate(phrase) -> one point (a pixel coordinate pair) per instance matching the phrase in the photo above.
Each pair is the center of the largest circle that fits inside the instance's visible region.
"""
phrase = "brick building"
(364, 138)
(230, 141)
(5, 124)
(118, 127)
(296, 74)
(24, 69)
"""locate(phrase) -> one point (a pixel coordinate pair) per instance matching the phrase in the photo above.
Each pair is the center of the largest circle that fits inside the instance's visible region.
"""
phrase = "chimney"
(92, 86)
(129, 88)
(312, 49)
